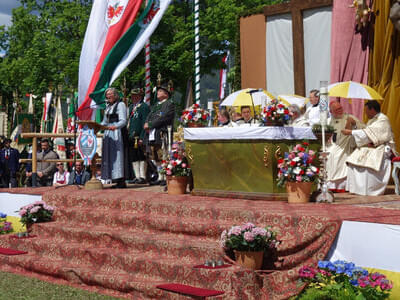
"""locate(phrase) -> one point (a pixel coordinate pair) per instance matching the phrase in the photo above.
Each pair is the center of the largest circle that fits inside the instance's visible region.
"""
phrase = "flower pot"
(318, 135)
(249, 259)
(194, 125)
(176, 185)
(273, 123)
(298, 192)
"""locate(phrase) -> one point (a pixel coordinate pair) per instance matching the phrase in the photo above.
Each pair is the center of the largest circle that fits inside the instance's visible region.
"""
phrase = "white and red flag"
(46, 106)
(58, 127)
(222, 77)
(113, 38)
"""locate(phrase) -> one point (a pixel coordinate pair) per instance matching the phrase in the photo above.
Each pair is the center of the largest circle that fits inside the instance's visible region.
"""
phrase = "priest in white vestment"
(312, 112)
(340, 147)
(369, 165)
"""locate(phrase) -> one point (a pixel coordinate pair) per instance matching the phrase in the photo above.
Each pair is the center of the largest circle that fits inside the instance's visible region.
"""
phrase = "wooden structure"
(253, 46)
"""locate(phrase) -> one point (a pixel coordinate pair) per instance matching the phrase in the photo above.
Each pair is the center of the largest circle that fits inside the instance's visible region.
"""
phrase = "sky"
(6, 7)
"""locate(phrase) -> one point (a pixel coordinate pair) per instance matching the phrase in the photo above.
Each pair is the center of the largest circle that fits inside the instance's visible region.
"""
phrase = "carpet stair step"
(117, 259)
(136, 284)
(143, 221)
(172, 245)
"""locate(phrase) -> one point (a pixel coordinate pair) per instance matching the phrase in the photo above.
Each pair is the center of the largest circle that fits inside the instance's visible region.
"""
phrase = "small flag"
(222, 77)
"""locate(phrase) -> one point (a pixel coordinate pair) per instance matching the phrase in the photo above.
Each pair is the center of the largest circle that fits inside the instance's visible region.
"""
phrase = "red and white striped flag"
(113, 39)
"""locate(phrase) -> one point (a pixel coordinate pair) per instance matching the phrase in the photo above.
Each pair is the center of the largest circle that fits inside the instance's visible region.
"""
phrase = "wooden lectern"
(93, 183)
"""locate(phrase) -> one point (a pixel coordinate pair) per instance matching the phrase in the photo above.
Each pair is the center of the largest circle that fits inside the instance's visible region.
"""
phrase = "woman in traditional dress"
(114, 156)
(61, 177)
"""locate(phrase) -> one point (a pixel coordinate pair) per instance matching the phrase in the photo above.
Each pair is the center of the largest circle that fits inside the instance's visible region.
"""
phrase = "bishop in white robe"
(341, 146)
(369, 165)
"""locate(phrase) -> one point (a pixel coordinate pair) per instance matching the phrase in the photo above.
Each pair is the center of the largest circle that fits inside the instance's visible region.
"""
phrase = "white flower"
(296, 159)
(297, 170)
(314, 169)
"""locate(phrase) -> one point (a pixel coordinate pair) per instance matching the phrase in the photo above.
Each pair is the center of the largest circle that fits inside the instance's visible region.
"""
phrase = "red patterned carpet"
(125, 242)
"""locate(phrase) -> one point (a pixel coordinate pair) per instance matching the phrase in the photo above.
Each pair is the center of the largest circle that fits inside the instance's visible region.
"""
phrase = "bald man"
(341, 146)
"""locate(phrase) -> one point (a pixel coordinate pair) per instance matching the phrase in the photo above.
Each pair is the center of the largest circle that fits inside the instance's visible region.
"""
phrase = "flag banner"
(46, 106)
(123, 52)
(222, 78)
(24, 124)
(109, 20)
(30, 105)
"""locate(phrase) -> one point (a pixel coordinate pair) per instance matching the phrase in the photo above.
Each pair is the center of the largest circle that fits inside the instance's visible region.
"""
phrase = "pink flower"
(183, 165)
(247, 226)
(22, 212)
(169, 172)
(35, 209)
(248, 236)
(299, 178)
(235, 230)
(307, 272)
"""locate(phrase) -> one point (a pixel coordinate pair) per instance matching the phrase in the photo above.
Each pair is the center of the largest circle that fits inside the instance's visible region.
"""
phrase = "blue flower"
(325, 264)
(3, 215)
(354, 282)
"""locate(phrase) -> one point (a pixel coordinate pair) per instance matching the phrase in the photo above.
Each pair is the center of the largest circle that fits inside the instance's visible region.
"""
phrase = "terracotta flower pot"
(298, 192)
(249, 259)
(176, 185)
(194, 125)
(273, 123)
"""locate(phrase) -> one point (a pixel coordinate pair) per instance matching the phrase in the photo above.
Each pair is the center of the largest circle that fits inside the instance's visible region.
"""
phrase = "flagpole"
(147, 65)
(196, 52)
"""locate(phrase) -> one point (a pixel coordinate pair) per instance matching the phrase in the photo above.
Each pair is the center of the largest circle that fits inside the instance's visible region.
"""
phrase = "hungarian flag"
(113, 39)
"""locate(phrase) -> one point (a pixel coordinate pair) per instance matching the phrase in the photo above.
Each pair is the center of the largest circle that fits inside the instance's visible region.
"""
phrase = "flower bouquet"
(177, 169)
(275, 113)
(195, 116)
(5, 227)
(36, 212)
(248, 240)
(297, 171)
(343, 280)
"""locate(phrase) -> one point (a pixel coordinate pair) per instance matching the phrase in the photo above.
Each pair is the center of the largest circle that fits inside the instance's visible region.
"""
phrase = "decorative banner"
(87, 144)
(24, 125)
(46, 106)
(222, 77)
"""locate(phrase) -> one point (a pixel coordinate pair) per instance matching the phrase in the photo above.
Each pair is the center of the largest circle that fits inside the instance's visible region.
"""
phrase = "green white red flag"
(113, 39)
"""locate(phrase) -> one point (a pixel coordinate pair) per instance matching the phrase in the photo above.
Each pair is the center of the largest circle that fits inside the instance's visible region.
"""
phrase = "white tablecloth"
(249, 133)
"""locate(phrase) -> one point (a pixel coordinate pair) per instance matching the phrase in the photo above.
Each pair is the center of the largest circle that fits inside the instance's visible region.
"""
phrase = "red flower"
(194, 111)
(305, 144)
(292, 163)
(190, 117)
(204, 117)
(281, 161)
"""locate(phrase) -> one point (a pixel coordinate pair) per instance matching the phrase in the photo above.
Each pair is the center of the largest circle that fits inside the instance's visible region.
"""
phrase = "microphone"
(254, 91)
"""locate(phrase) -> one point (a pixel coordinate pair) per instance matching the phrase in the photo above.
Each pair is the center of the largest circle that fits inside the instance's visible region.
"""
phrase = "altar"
(241, 161)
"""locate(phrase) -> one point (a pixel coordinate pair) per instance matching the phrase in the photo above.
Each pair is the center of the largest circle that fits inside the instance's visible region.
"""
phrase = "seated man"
(224, 119)
(45, 170)
(341, 146)
(79, 175)
(246, 117)
(312, 112)
(297, 119)
(369, 165)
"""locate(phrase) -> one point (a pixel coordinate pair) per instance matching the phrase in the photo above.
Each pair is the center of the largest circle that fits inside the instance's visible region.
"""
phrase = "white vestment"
(339, 150)
(300, 122)
(312, 115)
(369, 165)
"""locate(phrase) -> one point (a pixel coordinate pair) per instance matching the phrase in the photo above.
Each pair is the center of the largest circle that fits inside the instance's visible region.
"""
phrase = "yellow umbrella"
(353, 90)
(248, 97)
(293, 99)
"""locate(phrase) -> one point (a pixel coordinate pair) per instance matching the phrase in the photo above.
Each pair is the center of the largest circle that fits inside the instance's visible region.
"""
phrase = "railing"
(34, 159)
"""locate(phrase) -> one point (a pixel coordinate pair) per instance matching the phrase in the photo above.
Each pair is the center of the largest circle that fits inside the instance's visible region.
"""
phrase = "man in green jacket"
(138, 112)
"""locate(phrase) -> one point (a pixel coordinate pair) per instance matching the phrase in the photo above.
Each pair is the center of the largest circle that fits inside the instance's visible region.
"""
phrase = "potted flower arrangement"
(195, 116)
(35, 212)
(177, 169)
(275, 114)
(249, 242)
(297, 171)
(5, 227)
(317, 130)
(343, 280)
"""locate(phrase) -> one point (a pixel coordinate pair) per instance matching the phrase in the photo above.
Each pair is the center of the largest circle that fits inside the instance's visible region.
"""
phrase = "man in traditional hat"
(137, 115)
(156, 126)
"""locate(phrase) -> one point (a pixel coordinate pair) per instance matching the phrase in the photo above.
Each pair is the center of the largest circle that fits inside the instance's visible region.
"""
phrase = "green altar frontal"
(239, 166)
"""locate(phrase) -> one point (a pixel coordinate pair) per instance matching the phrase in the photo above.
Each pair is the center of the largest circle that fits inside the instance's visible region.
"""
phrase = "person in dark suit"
(156, 126)
(9, 159)
(79, 175)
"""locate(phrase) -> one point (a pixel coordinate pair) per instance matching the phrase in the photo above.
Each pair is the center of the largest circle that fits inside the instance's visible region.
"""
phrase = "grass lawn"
(16, 287)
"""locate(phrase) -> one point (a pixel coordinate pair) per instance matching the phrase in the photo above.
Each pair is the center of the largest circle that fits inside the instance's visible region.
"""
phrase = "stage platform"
(125, 242)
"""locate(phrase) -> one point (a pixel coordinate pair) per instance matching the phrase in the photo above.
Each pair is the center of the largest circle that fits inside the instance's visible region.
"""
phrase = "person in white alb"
(369, 165)
(297, 119)
(312, 112)
(340, 147)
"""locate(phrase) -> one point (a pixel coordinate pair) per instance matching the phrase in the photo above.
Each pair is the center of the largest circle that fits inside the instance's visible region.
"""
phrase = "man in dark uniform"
(137, 115)
(9, 159)
(161, 117)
